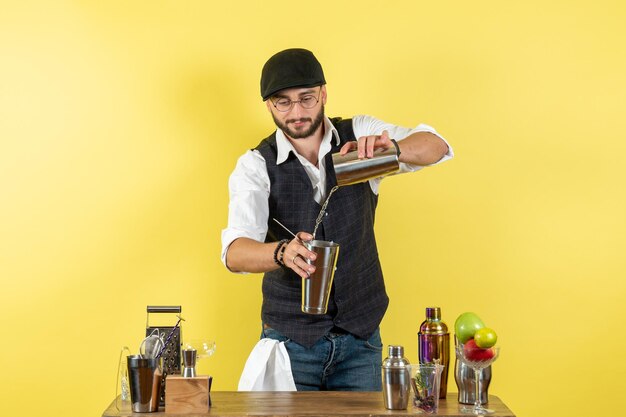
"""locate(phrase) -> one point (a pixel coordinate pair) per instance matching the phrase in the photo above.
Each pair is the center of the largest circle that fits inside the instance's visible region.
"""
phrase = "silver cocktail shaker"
(316, 288)
(349, 169)
(145, 381)
(396, 379)
(433, 343)
(466, 382)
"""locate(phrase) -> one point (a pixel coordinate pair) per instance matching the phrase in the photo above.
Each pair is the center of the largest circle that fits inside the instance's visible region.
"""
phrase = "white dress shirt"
(249, 184)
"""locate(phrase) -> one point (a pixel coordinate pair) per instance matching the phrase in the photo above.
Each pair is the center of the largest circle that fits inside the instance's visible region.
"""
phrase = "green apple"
(485, 337)
(466, 325)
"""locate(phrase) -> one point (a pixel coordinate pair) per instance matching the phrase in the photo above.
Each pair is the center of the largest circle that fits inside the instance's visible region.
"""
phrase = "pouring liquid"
(320, 216)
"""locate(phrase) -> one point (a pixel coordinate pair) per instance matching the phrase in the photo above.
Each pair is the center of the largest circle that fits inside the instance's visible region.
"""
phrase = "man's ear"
(268, 104)
(323, 90)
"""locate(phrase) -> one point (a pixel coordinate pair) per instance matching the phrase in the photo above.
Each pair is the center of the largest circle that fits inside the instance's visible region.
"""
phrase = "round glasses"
(307, 102)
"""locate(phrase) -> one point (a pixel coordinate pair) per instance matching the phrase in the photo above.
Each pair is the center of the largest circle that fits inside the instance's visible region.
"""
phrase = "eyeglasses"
(307, 102)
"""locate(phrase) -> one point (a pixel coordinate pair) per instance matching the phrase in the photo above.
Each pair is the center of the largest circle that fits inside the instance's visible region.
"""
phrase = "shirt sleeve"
(368, 125)
(248, 210)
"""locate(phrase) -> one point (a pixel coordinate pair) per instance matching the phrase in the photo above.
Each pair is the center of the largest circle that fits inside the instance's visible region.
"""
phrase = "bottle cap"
(433, 313)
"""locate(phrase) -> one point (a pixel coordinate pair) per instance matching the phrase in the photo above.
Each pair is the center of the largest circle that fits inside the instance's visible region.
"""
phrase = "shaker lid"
(396, 358)
(433, 313)
(396, 351)
(433, 323)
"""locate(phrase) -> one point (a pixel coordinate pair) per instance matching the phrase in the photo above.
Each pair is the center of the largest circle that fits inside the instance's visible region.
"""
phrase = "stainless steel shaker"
(349, 169)
(466, 382)
(433, 342)
(396, 379)
(145, 381)
(316, 288)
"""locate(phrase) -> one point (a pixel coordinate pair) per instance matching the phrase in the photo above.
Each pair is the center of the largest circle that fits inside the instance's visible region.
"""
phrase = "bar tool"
(146, 382)
(316, 288)
(396, 379)
(349, 169)
(433, 341)
(170, 350)
(285, 227)
(189, 363)
(151, 345)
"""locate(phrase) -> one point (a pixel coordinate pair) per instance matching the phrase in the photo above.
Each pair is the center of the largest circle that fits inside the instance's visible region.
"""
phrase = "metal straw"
(285, 227)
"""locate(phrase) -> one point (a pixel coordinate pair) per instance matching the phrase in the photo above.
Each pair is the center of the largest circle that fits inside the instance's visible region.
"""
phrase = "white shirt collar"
(284, 146)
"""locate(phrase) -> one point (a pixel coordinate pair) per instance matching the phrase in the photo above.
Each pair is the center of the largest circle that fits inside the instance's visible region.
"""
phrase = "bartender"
(287, 177)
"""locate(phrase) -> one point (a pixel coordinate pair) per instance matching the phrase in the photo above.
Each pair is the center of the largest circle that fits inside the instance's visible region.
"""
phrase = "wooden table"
(311, 404)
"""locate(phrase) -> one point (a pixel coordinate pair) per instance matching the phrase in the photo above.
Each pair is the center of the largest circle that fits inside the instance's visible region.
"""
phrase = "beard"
(301, 133)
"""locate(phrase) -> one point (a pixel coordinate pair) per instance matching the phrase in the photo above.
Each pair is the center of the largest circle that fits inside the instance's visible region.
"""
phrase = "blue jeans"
(336, 362)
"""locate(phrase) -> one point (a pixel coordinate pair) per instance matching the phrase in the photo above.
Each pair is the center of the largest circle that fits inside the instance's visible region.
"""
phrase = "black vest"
(358, 299)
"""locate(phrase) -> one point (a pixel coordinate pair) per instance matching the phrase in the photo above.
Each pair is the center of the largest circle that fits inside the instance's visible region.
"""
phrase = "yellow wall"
(120, 122)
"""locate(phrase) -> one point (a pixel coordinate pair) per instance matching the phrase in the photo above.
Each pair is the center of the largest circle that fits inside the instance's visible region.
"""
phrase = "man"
(287, 177)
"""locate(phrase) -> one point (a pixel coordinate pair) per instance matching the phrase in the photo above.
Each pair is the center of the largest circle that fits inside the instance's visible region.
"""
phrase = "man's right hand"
(296, 254)
(248, 255)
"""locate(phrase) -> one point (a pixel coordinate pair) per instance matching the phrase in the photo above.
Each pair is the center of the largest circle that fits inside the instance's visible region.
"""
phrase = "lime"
(485, 337)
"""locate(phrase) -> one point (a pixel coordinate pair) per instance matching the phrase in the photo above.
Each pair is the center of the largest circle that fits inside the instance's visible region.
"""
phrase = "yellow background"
(120, 122)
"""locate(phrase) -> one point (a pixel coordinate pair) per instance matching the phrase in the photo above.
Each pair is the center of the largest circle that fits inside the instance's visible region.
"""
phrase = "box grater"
(172, 358)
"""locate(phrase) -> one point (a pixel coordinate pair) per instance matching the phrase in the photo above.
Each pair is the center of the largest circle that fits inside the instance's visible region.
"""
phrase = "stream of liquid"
(320, 216)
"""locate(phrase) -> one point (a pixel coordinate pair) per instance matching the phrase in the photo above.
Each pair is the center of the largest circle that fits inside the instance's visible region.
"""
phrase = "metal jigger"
(189, 363)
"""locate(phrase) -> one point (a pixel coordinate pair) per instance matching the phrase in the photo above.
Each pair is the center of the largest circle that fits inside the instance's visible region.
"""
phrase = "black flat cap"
(288, 69)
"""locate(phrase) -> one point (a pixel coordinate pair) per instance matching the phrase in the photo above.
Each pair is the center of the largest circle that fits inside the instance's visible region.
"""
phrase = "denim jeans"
(336, 362)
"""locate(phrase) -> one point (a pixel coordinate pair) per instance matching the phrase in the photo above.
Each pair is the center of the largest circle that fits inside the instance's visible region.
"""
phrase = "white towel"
(268, 368)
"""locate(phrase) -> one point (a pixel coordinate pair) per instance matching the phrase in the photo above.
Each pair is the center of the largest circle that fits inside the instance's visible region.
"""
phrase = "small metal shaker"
(433, 341)
(396, 379)
(189, 362)
(466, 382)
(349, 169)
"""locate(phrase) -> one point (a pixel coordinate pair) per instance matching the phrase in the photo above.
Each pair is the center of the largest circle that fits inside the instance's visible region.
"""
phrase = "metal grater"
(172, 358)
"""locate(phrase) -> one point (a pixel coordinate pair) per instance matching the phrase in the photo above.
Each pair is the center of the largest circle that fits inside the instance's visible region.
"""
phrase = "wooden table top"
(311, 404)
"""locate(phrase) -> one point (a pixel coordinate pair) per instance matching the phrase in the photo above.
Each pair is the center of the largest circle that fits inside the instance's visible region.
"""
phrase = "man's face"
(298, 122)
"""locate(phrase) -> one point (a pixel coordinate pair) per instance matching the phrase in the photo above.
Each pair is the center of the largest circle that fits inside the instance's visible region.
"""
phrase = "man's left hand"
(365, 145)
